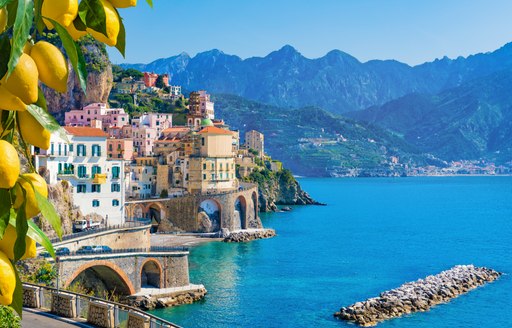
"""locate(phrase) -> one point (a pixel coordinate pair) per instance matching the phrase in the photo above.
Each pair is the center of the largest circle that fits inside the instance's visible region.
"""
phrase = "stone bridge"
(126, 271)
(204, 212)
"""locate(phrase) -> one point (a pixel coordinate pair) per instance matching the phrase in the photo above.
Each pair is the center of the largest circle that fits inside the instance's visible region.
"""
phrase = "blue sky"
(412, 31)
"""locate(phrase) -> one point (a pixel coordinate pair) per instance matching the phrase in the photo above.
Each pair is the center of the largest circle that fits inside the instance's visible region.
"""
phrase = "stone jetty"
(417, 296)
(242, 236)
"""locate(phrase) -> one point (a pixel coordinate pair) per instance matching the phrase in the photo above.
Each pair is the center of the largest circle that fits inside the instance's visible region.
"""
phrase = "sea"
(374, 235)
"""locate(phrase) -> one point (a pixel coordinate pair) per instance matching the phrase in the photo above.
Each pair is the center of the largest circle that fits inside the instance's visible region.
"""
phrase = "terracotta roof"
(215, 130)
(176, 129)
(85, 131)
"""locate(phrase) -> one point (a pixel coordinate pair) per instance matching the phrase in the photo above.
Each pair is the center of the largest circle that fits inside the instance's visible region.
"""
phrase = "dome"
(206, 122)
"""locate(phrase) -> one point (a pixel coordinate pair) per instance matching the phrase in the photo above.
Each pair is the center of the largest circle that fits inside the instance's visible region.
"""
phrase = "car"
(85, 250)
(102, 249)
(62, 251)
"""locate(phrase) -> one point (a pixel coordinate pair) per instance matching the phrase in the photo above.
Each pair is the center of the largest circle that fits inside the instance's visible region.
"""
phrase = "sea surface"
(374, 235)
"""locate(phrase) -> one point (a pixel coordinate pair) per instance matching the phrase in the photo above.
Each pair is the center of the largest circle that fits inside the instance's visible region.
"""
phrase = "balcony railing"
(99, 178)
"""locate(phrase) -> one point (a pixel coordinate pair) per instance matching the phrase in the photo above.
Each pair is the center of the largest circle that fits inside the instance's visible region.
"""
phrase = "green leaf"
(21, 31)
(38, 4)
(93, 15)
(79, 25)
(49, 213)
(21, 230)
(7, 120)
(150, 3)
(74, 54)
(5, 51)
(41, 100)
(17, 297)
(40, 237)
(47, 120)
(121, 37)
(5, 209)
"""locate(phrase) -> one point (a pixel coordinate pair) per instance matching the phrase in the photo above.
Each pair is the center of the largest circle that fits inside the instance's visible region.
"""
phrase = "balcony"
(99, 178)
(66, 173)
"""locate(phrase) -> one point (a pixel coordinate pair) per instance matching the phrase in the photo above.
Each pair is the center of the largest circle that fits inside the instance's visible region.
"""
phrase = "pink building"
(120, 149)
(97, 111)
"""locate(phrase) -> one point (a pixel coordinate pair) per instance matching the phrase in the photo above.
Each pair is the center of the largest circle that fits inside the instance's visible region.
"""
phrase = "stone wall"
(177, 274)
(64, 304)
(31, 297)
(101, 314)
(117, 239)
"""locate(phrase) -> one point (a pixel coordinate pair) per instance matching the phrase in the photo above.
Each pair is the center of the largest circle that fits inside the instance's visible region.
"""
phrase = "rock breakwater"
(417, 296)
(242, 236)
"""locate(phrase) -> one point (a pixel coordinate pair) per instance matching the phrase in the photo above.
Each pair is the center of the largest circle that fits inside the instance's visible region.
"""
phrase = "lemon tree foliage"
(26, 62)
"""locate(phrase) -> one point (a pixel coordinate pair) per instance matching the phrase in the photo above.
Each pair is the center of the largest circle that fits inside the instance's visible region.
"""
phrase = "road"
(36, 320)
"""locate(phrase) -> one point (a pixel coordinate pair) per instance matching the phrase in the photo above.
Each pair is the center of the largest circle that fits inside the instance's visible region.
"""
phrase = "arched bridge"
(126, 271)
(204, 212)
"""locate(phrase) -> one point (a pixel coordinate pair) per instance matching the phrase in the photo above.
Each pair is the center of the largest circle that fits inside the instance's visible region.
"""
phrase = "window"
(70, 147)
(204, 166)
(202, 141)
(80, 150)
(213, 176)
(60, 168)
(204, 176)
(52, 149)
(81, 188)
(115, 172)
(221, 166)
(96, 188)
(95, 203)
(96, 150)
(221, 176)
(82, 171)
(115, 202)
(60, 149)
(96, 170)
(116, 187)
(110, 147)
(65, 150)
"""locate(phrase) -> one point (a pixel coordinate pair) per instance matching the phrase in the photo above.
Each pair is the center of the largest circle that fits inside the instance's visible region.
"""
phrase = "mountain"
(471, 121)
(313, 142)
(337, 81)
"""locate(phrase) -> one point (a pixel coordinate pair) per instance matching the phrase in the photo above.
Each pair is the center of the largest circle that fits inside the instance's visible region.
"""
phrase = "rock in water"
(419, 295)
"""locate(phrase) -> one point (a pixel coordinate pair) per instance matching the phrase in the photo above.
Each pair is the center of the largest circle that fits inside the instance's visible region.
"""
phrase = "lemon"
(33, 132)
(9, 101)
(51, 65)
(7, 280)
(31, 206)
(9, 165)
(63, 12)
(23, 81)
(75, 34)
(123, 3)
(112, 24)
(7, 244)
(3, 19)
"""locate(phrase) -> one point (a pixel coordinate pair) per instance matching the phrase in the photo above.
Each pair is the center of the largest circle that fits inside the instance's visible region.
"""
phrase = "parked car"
(85, 250)
(102, 249)
(84, 225)
(62, 251)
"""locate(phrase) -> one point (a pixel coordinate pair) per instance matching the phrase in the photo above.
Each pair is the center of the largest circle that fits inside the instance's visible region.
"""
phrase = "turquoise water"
(374, 235)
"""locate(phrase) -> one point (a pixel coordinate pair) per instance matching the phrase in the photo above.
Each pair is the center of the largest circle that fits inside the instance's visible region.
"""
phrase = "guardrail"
(152, 249)
(79, 305)
(132, 224)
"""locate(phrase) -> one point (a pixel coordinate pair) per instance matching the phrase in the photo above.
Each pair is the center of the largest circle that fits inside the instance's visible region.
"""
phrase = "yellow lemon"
(123, 3)
(31, 206)
(33, 132)
(51, 65)
(3, 19)
(7, 280)
(9, 101)
(112, 24)
(7, 244)
(23, 81)
(75, 34)
(9, 165)
(63, 12)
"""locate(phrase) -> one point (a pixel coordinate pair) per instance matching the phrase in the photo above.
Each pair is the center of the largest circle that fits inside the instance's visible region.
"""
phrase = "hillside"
(337, 82)
(467, 122)
(312, 142)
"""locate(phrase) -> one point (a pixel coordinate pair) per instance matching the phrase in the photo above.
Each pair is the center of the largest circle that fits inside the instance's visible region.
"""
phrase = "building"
(150, 79)
(121, 149)
(146, 129)
(200, 107)
(175, 90)
(96, 181)
(255, 140)
(110, 117)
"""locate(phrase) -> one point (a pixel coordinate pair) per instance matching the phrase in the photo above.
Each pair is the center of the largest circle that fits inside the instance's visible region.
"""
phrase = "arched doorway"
(209, 216)
(155, 213)
(101, 279)
(150, 275)
(240, 214)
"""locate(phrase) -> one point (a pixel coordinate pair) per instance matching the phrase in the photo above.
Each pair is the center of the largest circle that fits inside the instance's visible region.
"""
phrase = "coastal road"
(179, 240)
(32, 319)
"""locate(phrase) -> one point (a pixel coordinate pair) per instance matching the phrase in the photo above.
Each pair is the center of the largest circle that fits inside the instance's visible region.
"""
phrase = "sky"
(411, 31)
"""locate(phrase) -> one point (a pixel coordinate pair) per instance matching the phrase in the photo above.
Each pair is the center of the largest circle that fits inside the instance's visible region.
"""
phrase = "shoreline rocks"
(148, 303)
(243, 236)
(418, 295)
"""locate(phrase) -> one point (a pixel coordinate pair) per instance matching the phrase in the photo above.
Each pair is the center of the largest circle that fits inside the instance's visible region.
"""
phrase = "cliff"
(99, 82)
(279, 188)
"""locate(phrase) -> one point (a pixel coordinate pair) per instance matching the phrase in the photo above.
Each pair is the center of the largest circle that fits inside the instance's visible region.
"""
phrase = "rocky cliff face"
(99, 82)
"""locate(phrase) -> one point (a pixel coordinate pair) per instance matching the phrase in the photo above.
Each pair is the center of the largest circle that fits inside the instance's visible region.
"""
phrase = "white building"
(98, 183)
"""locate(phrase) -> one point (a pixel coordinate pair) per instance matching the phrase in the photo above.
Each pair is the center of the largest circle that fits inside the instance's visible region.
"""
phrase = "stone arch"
(151, 273)
(155, 212)
(209, 215)
(138, 212)
(240, 213)
(110, 274)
